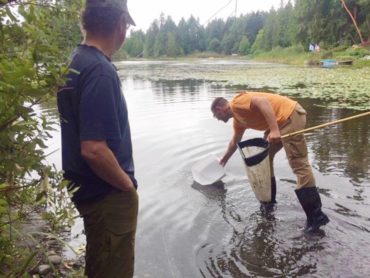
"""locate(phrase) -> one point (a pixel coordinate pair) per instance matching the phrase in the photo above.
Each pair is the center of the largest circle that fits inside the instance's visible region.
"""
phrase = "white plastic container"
(208, 170)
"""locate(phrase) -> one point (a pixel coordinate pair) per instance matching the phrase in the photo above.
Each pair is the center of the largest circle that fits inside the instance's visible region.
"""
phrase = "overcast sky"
(144, 12)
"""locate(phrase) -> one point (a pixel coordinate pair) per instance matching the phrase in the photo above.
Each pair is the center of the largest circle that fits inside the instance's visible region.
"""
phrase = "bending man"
(276, 115)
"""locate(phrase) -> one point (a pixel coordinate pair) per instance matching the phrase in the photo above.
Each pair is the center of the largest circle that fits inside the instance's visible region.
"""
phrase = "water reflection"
(343, 148)
(178, 91)
(215, 192)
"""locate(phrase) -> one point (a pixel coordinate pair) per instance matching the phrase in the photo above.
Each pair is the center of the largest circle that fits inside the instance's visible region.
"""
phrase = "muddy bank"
(46, 247)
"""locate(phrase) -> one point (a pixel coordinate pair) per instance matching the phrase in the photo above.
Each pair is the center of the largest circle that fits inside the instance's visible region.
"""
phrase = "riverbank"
(39, 249)
(358, 56)
(38, 235)
(296, 55)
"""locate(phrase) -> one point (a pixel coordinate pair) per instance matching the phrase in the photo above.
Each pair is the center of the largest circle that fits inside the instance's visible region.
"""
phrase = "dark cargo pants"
(110, 226)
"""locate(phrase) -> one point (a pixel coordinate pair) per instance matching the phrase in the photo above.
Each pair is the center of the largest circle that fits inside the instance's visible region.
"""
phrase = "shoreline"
(47, 248)
(360, 56)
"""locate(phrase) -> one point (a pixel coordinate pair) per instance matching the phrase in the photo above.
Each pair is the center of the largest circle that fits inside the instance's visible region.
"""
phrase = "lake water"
(189, 230)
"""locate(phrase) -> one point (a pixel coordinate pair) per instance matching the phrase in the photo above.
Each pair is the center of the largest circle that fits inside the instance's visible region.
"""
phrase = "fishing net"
(255, 154)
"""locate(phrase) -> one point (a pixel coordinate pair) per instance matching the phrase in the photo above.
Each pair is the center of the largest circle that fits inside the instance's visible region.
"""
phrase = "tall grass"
(291, 55)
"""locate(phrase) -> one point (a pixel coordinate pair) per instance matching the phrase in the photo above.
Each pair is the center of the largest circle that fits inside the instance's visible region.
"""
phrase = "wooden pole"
(327, 124)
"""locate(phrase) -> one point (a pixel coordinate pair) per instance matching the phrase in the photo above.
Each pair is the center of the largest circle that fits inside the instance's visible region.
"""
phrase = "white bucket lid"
(208, 170)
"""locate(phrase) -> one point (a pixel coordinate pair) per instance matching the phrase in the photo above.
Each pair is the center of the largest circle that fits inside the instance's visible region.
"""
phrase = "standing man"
(276, 115)
(96, 142)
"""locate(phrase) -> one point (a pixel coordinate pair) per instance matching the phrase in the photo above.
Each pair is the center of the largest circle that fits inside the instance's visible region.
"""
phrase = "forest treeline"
(294, 24)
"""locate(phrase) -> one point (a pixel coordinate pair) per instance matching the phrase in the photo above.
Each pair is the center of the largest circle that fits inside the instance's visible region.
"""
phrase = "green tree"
(227, 43)
(167, 33)
(285, 30)
(173, 48)
(358, 12)
(327, 21)
(365, 25)
(233, 35)
(134, 44)
(257, 45)
(192, 36)
(214, 45)
(254, 22)
(184, 36)
(270, 36)
(150, 39)
(214, 32)
(244, 46)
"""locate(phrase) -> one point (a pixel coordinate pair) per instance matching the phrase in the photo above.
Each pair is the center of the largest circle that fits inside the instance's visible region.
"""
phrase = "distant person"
(317, 48)
(311, 47)
(96, 142)
(276, 115)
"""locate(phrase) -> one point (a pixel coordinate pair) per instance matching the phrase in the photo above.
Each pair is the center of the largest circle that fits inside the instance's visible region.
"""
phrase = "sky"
(144, 12)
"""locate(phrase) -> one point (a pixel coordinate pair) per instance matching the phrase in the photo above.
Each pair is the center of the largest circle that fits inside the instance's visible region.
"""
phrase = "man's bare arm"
(103, 162)
(263, 105)
(231, 147)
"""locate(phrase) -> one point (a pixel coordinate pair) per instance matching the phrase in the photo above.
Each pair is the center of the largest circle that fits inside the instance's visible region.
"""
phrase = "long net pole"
(326, 124)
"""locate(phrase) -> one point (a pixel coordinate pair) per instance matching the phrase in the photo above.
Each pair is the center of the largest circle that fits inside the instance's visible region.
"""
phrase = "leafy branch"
(35, 37)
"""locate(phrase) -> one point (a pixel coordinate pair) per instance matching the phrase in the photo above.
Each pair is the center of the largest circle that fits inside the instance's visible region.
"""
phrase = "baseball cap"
(116, 4)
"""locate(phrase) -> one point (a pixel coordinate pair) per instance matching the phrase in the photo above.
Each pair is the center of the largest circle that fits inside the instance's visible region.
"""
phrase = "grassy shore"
(297, 56)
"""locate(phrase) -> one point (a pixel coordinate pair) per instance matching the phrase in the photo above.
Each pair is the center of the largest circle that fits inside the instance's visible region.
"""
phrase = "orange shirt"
(244, 118)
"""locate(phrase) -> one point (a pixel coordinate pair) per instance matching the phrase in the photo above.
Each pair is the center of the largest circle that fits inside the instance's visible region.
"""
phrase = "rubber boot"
(311, 203)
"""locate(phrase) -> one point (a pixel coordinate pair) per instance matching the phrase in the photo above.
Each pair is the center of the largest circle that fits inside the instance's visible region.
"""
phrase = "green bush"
(357, 52)
(35, 41)
(326, 55)
(342, 47)
(297, 48)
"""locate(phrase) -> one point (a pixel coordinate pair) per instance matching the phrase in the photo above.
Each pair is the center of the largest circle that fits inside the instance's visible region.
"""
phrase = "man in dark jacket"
(96, 142)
